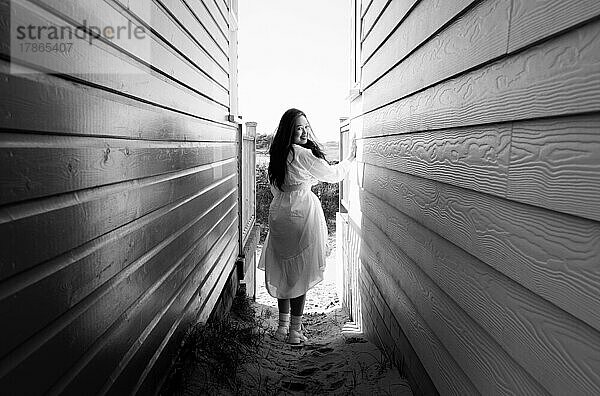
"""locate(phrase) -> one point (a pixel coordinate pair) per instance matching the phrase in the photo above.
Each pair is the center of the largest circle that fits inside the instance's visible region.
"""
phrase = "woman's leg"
(284, 305)
(284, 319)
(297, 305)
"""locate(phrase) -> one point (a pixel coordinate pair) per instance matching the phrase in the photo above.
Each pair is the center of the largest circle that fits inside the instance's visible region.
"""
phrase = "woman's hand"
(353, 150)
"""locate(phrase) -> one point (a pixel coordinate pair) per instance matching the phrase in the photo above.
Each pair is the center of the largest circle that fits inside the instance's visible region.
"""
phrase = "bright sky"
(294, 53)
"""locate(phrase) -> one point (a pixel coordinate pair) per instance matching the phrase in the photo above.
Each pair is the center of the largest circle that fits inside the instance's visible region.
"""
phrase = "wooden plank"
(182, 15)
(108, 206)
(405, 357)
(558, 350)
(105, 361)
(557, 77)
(150, 380)
(425, 20)
(372, 13)
(476, 37)
(177, 37)
(152, 51)
(474, 157)
(103, 309)
(488, 366)
(205, 17)
(393, 13)
(39, 165)
(555, 164)
(552, 254)
(142, 82)
(46, 103)
(530, 19)
(364, 7)
(78, 273)
(224, 13)
(447, 376)
(218, 19)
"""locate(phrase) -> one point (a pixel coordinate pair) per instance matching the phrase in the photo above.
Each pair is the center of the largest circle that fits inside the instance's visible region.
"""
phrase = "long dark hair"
(282, 145)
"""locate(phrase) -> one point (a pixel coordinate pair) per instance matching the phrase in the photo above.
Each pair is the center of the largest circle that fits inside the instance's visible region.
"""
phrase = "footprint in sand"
(308, 371)
(325, 350)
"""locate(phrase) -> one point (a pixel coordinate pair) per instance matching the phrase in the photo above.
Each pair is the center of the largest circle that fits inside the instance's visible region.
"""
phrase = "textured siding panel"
(530, 245)
(514, 316)
(477, 191)
(118, 209)
(392, 14)
(556, 77)
(426, 19)
(433, 354)
(473, 39)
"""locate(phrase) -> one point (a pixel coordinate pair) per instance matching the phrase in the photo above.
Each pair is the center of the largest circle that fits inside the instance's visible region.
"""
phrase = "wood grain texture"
(39, 165)
(182, 16)
(424, 20)
(554, 78)
(110, 207)
(373, 11)
(107, 358)
(78, 274)
(475, 157)
(535, 20)
(90, 320)
(474, 38)
(406, 358)
(552, 254)
(447, 376)
(487, 365)
(393, 14)
(142, 82)
(558, 350)
(555, 164)
(50, 104)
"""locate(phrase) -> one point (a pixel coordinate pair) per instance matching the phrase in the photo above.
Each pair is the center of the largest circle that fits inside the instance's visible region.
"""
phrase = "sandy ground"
(336, 359)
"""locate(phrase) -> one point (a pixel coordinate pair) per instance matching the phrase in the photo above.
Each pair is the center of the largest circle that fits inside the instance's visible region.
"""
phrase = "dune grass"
(212, 352)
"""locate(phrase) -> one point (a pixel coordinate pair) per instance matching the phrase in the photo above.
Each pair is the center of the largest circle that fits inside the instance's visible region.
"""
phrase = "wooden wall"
(478, 196)
(118, 207)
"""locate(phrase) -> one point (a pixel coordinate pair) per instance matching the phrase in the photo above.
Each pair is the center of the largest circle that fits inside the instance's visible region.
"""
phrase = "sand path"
(336, 359)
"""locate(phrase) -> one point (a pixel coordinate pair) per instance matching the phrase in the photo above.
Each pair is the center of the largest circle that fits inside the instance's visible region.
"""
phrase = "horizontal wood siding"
(119, 203)
(477, 197)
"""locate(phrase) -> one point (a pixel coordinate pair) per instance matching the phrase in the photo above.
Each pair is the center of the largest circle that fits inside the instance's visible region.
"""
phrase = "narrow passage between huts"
(239, 355)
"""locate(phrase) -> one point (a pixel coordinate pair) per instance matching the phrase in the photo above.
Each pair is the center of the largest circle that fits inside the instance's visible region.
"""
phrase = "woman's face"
(300, 131)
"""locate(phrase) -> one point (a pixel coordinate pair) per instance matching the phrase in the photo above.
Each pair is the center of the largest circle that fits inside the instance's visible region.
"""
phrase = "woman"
(293, 255)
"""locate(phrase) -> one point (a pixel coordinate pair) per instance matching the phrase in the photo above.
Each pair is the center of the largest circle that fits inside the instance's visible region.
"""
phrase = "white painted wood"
(551, 254)
(535, 20)
(472, 157)
(557, 77)
(474, 38)
(555, 163)
(447, 376)
(424, 20)
(558, 350)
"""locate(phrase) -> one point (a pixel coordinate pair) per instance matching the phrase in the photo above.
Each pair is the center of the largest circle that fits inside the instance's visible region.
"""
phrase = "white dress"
(293, 256)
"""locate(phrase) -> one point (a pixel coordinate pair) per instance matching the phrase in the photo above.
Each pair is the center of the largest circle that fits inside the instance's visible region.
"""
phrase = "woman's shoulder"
(304, 156)
(301, 148)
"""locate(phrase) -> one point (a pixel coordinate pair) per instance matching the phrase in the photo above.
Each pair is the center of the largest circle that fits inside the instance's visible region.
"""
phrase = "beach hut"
(472, 238)
(122, 197)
